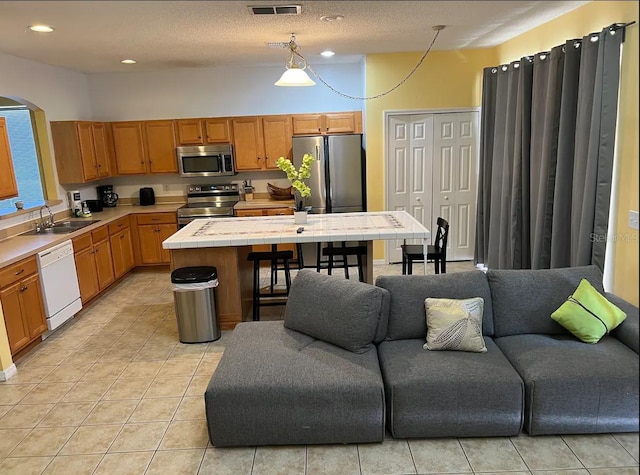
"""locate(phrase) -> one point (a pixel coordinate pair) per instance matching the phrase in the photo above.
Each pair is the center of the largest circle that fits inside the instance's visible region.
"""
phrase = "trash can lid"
(193, 275)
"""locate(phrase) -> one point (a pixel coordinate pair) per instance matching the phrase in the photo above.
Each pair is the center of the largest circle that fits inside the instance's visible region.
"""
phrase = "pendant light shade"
(295, 74)
(295, 77)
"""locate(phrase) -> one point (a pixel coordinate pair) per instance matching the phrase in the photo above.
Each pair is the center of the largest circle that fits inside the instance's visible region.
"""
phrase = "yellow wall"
(589, 18)
(5, 352)
(446, 79)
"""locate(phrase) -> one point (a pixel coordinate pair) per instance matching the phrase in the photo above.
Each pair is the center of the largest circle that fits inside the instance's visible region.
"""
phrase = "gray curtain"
(546, 156)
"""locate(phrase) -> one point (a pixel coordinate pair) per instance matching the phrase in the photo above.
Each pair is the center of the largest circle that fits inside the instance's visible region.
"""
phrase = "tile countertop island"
(225, 244)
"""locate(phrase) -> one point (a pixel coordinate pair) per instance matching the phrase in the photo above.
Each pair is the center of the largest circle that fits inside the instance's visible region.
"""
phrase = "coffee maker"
(107, 195)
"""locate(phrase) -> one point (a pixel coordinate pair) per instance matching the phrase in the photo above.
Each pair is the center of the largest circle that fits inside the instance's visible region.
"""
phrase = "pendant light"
(295, 74)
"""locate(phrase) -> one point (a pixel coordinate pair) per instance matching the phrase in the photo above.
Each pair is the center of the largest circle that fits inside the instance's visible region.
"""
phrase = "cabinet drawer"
(17, 271)
(82, 242)
(118, 225)
(156, 218)
(279, 211)
(100, 234)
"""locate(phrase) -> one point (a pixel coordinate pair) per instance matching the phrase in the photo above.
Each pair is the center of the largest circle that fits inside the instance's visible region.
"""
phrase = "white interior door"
(455, 179)
(409, 152)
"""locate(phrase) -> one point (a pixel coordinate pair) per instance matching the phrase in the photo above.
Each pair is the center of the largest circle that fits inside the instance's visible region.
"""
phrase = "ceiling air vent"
(276, 10)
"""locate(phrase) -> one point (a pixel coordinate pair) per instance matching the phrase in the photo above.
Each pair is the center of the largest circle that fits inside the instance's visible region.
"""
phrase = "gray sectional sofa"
(348, 362)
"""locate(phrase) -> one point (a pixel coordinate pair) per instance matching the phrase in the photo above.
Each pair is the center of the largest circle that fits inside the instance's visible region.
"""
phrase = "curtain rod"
(612, 27)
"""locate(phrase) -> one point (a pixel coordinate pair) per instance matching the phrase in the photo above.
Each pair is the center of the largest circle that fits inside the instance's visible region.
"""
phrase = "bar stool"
(342, 252)
(272, 298)
(436, 252)
(275, 267)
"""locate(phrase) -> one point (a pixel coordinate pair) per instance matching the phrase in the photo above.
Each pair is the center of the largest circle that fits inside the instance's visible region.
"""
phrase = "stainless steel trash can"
(194, 294)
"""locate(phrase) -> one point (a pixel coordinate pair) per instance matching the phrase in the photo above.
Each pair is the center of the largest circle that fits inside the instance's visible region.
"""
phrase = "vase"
(300, 217)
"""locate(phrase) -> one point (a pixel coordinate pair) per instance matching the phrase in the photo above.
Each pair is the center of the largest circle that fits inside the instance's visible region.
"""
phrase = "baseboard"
(8, 373)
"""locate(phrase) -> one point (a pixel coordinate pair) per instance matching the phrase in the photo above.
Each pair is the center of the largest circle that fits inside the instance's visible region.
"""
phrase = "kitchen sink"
(62, 227)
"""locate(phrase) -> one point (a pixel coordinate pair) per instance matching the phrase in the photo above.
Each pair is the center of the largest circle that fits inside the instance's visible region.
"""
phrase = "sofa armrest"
(627, 332)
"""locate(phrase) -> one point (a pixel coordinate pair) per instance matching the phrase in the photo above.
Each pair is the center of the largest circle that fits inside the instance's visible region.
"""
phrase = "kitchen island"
(226, 243)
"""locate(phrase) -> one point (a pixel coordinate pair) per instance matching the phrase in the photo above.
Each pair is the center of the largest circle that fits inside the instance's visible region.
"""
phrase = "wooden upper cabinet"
(204, 131)
(248, 143)
(8, 185)
(82, 151)
(259, 141)
(329, 123)
(276, 131)
(160, 140)
(128, 145)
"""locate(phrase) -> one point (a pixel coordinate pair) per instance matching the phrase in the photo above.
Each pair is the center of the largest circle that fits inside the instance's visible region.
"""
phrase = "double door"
(432, 172)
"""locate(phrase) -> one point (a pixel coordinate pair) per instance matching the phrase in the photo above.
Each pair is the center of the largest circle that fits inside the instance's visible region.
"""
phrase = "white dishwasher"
(59, 284)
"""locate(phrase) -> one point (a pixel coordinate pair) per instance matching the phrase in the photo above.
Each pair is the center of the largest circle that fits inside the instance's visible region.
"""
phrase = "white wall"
(210, 92)
(62, 94)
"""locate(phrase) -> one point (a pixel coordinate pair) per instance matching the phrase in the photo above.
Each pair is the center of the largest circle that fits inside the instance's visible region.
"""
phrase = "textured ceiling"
(93, 36)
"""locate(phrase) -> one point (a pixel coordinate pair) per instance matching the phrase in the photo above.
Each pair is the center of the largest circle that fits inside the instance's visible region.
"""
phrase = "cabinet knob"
(24, 288)
(19, 272)
(121, 237)
(319, 129)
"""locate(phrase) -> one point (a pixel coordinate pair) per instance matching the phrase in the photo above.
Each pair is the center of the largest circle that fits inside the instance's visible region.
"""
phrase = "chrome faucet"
(48, 223)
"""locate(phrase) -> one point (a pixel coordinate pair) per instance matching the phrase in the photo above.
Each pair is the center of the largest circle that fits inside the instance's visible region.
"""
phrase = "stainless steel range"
(208, 201)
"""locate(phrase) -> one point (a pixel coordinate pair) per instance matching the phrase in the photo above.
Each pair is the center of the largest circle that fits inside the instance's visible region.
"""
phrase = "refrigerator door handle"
(317, 152)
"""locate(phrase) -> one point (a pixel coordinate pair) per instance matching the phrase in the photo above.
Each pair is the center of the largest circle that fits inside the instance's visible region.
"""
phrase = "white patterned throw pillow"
(455, 324)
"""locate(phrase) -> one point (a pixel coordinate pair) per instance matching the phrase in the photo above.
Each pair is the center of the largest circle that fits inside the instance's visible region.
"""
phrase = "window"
(25, 159)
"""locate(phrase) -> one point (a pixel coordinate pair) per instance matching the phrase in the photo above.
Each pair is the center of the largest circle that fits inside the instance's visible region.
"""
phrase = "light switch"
(633, 219)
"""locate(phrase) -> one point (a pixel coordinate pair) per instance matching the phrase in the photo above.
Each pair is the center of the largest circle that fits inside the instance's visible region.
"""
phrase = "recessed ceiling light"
(327, 53)
(128, 61)
(330, 18)
(41, 28)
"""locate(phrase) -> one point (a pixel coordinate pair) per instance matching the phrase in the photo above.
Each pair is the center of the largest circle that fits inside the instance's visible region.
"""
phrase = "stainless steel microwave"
(206, 160)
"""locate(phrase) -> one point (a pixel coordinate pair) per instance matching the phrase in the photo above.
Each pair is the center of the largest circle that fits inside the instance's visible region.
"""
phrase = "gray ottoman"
(276, 386)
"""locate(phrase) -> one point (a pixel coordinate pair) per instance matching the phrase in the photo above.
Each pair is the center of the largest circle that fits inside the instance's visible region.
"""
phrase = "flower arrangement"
(297, 177)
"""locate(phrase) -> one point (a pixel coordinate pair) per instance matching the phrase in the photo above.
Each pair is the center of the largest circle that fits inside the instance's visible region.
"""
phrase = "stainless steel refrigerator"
(338, 180)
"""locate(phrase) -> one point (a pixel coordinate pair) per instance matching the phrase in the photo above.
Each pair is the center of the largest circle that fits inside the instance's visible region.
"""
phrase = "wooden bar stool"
(271, 298)
(436, 252)
(342, 254)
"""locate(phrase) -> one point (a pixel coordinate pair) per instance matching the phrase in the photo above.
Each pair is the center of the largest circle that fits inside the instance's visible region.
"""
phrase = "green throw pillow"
(588, 314)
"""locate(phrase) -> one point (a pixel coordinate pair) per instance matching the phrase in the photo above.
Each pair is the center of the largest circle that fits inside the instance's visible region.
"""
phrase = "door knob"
(446, 198)
(418, 199)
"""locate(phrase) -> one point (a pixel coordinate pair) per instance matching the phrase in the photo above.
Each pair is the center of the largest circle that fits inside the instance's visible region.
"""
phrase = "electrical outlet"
(633, 219)
(166, 187)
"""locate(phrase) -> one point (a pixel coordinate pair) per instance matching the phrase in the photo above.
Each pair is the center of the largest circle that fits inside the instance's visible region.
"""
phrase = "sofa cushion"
(573, 387)
(276, 386)
(628, 332)
(454, 325)
(587, 314)
(449, 393)
(346, 313)
(407, 317)
(523, 300)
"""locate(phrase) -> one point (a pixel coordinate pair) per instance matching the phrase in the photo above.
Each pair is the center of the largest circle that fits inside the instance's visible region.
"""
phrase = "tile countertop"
(263, 203)
(368, 226)
(16, 248)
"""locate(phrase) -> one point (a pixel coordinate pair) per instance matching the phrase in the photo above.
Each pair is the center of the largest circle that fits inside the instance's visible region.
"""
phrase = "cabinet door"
(100, 141)
(8, 185)
(87, 274)
(279, 211)
(33, 306)
(340, 123)
(87, 151)
(17, 331)
(104, 263)
(122, 252)
(161, 146)
(217, 130)
(307, 124)
(241, 213)
(149, 249)
(277, 139)
(189, 131)
(248, 143)
(128, 145)
(165, 231)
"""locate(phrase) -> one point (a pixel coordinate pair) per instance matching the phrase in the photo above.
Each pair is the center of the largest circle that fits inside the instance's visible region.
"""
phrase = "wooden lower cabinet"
(268, 212)
(94, 263)
(151, 230)
(23, 310)
(122, 252)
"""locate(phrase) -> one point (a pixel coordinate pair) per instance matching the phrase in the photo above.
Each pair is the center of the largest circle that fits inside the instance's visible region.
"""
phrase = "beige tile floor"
(114, 392)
